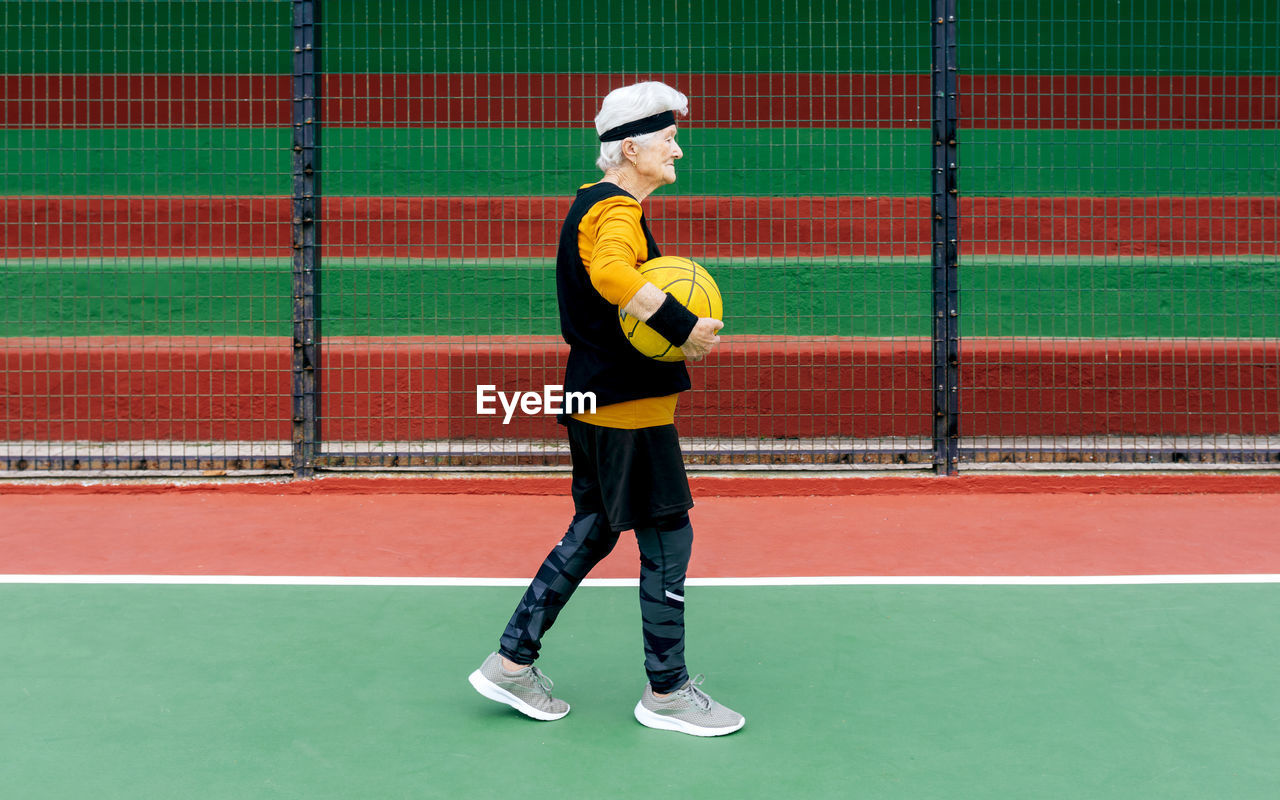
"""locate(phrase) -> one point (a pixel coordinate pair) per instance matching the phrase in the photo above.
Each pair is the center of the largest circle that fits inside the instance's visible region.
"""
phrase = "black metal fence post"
(306, 236)
(945, 246)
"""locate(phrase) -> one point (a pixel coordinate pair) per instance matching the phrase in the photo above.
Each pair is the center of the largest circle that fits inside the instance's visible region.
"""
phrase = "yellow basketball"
(689, 283)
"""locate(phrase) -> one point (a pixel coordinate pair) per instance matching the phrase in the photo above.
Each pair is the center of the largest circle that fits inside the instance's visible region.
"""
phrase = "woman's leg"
(588, 540)
(664, 559)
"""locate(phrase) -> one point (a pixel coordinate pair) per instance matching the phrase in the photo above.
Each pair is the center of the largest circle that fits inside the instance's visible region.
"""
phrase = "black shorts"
(634, 476)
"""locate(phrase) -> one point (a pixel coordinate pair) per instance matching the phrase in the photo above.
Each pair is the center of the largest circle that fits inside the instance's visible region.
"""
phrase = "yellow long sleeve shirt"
(612, 246)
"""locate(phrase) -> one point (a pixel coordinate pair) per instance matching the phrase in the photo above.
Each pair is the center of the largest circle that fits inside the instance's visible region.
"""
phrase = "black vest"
(601, 360)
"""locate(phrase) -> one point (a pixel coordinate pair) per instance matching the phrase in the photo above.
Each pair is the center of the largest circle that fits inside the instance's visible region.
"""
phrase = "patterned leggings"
(664, 559)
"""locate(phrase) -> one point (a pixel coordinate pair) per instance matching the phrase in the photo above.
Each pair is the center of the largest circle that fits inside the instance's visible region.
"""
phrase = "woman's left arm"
(649, 299)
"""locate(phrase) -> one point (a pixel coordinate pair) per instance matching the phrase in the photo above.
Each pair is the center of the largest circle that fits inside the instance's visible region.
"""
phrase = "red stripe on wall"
(770, 100)
(761, 100)
(1110, 102)
(528, 227)
(144, 101)
(105, 389)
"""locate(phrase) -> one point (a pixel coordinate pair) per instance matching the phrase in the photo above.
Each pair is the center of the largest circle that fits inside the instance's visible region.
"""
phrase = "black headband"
(647, 125)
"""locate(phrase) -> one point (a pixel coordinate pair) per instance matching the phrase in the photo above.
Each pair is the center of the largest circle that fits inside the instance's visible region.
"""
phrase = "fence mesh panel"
(144, 308)
(1119, 178)
(1119, 263)
(456, 136)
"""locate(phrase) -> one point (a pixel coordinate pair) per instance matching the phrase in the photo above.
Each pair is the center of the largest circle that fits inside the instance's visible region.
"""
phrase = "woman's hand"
(702, 339)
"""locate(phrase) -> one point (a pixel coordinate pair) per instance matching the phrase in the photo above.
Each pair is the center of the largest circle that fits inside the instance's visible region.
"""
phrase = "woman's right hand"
(702, 338)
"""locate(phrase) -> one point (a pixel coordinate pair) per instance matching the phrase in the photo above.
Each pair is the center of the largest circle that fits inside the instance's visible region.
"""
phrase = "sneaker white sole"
(493, 691)
(651, 720)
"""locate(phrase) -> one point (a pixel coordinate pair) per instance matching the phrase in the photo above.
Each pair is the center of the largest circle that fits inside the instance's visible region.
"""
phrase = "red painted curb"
(705, 227)
(706, 486)
(507, 536)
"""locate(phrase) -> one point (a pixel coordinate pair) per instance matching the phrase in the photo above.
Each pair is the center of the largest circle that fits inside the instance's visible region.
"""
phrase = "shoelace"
(544, 683)
(693, 694)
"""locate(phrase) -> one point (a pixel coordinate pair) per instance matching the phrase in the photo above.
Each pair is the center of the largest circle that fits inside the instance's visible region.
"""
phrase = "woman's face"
(656, 162)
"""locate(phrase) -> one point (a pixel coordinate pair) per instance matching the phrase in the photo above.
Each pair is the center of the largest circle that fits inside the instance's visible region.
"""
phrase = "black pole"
(945, 246)
(306, 236)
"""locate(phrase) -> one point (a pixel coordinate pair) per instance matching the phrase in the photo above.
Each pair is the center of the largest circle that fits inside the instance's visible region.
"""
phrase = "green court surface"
(873, 691)
(1218, 296)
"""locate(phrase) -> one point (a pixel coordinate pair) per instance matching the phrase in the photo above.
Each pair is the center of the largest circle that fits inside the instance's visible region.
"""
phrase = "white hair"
(628, 104)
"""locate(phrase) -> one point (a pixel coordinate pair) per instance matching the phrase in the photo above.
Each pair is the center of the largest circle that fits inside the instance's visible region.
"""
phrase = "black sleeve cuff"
(673, 321)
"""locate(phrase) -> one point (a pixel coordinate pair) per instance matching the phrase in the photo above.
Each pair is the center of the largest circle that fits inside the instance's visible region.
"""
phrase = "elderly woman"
(628, 472)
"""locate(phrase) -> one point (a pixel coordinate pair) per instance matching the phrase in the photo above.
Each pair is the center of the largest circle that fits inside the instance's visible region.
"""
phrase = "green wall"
(1148, 37)
(1028, 296)
(408, 162)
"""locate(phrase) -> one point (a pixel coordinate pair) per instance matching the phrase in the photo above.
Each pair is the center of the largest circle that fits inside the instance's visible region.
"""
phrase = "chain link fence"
(297, 236)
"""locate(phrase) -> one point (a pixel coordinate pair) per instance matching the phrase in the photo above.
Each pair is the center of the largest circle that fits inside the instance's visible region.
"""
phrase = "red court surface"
(1033, 526)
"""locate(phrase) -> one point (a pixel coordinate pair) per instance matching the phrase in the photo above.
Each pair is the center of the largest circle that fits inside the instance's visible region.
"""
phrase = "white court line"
(859, 580)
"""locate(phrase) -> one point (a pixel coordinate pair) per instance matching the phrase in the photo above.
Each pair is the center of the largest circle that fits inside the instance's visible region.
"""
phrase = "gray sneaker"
(527, 691)
(688, 710)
